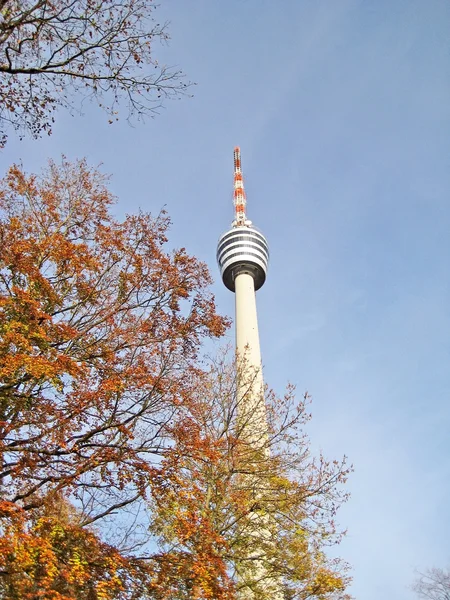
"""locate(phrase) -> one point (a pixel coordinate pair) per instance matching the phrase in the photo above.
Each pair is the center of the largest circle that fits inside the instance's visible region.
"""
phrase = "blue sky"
(342, 112)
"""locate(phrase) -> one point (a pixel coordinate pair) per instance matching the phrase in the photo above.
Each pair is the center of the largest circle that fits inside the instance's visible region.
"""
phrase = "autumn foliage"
(225, 488)
(124, 470)
(100, 328)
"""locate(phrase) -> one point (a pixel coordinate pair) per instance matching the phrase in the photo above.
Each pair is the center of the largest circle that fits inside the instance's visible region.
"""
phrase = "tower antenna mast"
(240, 200)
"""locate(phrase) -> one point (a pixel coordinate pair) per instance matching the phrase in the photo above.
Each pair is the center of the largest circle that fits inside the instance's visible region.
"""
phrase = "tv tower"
(243, 256)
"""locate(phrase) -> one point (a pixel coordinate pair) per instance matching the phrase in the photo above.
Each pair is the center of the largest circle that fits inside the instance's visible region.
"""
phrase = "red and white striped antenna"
(240, 199)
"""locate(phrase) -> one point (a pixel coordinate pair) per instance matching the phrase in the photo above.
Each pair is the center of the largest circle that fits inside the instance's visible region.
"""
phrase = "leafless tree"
(433, 584)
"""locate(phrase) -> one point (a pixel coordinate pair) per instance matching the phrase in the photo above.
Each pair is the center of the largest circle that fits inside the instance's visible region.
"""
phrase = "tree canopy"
(99, 333)
(55, 53)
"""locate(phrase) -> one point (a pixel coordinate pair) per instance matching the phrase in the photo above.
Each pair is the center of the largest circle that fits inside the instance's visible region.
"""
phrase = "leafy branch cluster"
(52, 51)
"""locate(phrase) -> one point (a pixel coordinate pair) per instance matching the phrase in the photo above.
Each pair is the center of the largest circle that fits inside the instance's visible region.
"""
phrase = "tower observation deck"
(243, 249)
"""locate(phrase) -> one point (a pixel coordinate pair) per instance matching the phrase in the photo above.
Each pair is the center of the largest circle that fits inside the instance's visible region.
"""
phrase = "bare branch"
(56, 52)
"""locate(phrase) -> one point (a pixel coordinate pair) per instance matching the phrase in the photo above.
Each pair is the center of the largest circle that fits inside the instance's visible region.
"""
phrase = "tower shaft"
(246, 318)
(254, 573)
(250, 384)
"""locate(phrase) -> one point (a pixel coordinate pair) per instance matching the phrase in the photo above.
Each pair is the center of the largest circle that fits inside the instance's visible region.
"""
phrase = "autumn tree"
(433, 584)
(55, 53)
(100, 327)
(217, 481)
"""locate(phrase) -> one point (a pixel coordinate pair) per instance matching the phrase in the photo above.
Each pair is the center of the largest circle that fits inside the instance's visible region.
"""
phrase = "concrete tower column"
(247, 335)
(250, 384)
(252, 418)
